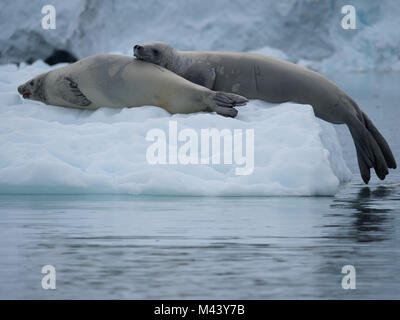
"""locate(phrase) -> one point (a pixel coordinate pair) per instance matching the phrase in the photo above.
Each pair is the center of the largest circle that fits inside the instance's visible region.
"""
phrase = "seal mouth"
(141, 57)
(24, 92)
(136, 54)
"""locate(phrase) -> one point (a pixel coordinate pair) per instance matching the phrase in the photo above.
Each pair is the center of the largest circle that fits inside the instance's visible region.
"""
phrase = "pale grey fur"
(120, 81)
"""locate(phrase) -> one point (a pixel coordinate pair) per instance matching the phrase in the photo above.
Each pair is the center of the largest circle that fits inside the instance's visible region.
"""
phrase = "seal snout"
(137, 51)
(25, 93)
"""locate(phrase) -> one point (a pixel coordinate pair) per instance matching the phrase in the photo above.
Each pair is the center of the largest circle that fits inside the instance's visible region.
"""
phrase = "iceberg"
(305, 31)
(48, 149)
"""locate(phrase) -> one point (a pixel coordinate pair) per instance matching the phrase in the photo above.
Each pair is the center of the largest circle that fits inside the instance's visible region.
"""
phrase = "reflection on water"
(365, 199)
(371, 211)
(197, 247)
(183, 247)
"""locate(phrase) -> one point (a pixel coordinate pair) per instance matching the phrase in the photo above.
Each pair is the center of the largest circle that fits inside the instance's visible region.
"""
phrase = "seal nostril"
(20, 89)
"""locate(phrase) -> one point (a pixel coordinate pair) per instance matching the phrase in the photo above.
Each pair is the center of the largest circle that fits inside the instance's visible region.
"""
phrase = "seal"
(266, 78)
(121, 81)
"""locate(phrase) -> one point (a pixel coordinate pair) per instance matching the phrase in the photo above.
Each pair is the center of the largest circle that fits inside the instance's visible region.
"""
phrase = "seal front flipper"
(71, 93)
(223, 103)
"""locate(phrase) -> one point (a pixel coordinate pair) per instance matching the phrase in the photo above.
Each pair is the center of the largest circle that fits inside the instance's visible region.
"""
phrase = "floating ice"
(47, 149)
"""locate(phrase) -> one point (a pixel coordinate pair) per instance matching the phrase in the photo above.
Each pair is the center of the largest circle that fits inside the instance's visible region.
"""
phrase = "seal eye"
(155, 52)
(31, 83)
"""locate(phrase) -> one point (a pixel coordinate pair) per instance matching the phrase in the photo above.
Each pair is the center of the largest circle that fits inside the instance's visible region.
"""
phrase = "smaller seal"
(119, 81)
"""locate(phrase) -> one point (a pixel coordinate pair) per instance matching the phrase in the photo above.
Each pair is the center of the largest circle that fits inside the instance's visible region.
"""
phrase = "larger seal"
(121, 81)
(257, 76)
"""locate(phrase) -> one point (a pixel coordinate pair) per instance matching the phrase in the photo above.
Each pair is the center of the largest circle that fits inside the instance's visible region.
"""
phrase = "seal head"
(34, 89)
(163, 55)
(159, 53)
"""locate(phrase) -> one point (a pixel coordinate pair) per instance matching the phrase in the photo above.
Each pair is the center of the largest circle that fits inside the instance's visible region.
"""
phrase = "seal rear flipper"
(383, 145)
(71, 93)
(369, 154)
(226, 112)
(224, 103)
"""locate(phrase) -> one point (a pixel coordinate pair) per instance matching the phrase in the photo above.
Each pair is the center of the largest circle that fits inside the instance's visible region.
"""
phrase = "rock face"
(59, 56)
(307, 30)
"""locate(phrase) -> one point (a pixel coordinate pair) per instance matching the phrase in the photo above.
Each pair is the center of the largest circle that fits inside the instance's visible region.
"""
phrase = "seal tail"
(224, 103)
(372, 149)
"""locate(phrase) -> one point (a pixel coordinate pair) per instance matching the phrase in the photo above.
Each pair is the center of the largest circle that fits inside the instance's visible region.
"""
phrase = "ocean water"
(165, 247)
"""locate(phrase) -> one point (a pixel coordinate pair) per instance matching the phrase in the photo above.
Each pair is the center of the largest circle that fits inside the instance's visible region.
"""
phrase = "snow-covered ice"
(47, 149)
